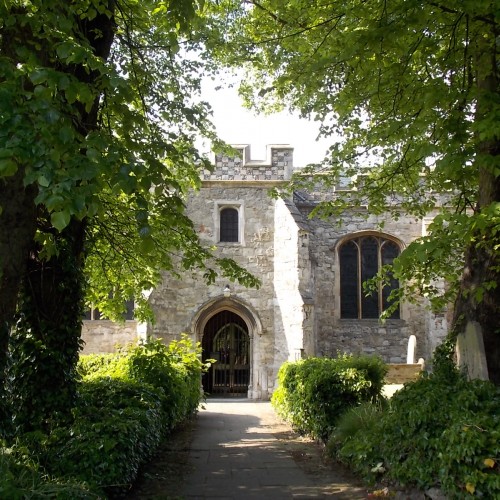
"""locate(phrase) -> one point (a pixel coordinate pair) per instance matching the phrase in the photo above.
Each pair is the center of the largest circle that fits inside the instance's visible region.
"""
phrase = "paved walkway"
(236, 453)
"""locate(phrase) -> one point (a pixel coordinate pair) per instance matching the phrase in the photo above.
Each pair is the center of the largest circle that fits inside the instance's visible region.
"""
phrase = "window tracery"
(360, 259)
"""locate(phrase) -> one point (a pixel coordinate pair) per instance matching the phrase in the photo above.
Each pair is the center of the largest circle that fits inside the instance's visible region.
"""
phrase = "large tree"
(99, 115)
(408, 90)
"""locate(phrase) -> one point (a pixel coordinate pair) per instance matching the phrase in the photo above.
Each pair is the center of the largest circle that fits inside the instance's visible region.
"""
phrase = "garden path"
(239, 449)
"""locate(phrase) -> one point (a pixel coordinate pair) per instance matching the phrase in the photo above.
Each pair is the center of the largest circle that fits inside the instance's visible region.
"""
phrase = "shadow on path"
(238, 448)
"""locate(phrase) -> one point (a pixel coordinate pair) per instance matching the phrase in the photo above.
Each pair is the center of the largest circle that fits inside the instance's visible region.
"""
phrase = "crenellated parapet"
(277, 166)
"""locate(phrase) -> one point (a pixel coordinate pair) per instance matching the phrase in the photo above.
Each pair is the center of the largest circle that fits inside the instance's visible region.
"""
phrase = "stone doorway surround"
(226, 341)
(250, 318)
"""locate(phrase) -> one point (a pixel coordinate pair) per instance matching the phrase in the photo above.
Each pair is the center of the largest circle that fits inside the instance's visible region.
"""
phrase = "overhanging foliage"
(407, 92)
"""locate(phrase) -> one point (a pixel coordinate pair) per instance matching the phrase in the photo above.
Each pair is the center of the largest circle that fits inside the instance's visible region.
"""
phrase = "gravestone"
(471, 357)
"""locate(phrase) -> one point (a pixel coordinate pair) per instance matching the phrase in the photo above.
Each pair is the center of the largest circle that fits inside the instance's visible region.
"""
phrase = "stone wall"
(184, 305)
(175, 302)
(388, 339)
(288, 317)
(181, 305)
(296, 311)
(102, 336)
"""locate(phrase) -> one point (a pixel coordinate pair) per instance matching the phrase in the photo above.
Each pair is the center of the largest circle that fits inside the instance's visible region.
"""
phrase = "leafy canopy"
(402, 89)
(108, 136)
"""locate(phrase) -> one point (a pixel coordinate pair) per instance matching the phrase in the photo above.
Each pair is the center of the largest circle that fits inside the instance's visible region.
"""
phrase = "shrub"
(117, 427)
(314, 392)
(21, 478)
(127, 403)
(91, 366)
(174, 369)
(440, 430)
(355, 419)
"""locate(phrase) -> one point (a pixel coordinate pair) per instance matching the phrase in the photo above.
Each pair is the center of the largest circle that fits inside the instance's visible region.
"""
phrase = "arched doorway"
(226, 339)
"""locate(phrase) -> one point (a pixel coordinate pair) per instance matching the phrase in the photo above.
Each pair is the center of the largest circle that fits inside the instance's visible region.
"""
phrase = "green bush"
(117, 427)
(355, 419)
(127, 403)
(440, 430)
(21, 478)
(314, 392)
(174, 369)
(91, 366)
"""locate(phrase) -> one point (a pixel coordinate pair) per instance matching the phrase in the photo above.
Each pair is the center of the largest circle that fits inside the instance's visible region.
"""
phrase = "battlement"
(277, 166)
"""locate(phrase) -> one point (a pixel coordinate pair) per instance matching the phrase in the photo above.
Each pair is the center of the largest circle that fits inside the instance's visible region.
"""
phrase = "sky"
(237, 125)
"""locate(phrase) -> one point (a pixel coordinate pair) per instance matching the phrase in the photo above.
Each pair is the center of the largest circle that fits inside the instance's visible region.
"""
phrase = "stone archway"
(227, 328)
(226, 340)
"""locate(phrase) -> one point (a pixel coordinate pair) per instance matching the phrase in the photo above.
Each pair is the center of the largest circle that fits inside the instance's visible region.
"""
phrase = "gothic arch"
(232, 304)
(237, 323)
(358, 234)
(355, 288)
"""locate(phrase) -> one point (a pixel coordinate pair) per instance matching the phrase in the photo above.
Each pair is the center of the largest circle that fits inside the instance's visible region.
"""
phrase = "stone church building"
(311, 301)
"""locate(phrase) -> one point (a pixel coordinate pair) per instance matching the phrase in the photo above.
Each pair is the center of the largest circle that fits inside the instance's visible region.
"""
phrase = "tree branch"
(448, 10)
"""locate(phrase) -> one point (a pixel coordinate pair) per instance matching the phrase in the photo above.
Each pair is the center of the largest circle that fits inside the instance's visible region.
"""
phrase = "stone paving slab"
(236, 454)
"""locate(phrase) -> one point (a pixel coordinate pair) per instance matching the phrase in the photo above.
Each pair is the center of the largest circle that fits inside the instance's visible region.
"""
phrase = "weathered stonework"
(105, 336)
(296, 311)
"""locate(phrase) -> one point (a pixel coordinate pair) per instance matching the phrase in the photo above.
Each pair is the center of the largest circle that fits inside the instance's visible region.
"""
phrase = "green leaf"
(93, 154)
(66, 134)
(65, 50)
(8, 167)
(52, 202)
(43, 181)
(39, 76)
(147, 244)
(60, 219)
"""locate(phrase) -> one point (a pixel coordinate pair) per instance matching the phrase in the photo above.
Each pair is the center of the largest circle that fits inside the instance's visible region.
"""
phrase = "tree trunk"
(478, 304)
(50, 309)
(17, 223)
(473, 316)
(46, 340)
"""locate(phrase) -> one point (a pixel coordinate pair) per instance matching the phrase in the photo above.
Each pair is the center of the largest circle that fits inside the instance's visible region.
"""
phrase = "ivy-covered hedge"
(127, 404)
(441, 430)
(313, 393)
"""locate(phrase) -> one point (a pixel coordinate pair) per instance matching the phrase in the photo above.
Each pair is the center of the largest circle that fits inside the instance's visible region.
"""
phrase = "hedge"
(312, 393)
(442, 430)
(128, 403)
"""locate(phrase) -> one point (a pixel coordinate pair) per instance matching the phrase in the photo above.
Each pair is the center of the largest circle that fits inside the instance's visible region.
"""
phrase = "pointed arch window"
(360, 259)
(229, 225)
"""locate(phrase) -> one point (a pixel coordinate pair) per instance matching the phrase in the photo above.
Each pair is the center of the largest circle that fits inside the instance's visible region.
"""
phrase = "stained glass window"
(349, 279)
